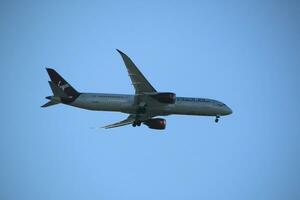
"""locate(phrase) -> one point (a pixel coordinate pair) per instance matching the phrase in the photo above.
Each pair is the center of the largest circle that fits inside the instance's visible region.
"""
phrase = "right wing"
(129, 120)
(139, 82)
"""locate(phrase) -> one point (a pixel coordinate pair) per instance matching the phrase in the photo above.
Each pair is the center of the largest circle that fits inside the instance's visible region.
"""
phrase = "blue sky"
(244, 53)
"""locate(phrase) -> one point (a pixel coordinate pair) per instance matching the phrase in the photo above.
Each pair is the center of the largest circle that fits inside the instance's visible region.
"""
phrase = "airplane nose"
(228, 110)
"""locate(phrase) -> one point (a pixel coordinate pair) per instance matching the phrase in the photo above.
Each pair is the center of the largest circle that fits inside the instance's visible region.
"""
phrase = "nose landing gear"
(217, 119)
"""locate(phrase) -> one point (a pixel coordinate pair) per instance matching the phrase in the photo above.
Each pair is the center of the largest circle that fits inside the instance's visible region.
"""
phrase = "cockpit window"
(218, 103)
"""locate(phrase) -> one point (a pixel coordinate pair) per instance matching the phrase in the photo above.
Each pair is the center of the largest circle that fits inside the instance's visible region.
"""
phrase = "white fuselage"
(126, 104)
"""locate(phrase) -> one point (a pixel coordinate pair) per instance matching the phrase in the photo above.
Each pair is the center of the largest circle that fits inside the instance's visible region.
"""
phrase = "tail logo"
(63, 87)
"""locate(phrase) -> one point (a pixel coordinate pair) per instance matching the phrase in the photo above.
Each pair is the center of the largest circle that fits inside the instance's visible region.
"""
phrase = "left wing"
(129, 120)
(139, 82)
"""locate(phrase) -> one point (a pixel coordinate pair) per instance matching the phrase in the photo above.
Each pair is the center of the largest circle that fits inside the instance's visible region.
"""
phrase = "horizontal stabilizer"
(50, 103)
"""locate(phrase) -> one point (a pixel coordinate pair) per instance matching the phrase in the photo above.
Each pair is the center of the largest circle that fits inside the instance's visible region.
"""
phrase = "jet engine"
(165, 97)
(157, 123)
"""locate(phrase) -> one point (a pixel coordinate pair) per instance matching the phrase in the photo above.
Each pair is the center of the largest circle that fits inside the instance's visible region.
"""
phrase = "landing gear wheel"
(136, 123)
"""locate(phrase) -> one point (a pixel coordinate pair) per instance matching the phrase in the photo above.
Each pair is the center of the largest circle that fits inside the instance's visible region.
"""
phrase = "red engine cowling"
(166, 97)
(157, 123)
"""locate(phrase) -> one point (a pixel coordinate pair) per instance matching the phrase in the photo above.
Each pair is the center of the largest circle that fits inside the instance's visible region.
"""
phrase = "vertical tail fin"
(57, 91)
(63, 92)
(59, 81)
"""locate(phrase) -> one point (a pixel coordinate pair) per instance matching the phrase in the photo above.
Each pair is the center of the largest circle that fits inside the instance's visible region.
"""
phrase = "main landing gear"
(217, 119)
(136, 123)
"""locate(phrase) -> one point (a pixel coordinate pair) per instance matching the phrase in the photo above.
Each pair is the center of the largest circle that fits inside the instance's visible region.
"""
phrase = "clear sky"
(244, 53)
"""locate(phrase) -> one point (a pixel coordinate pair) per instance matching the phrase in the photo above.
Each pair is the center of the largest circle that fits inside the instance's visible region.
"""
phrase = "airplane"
(143, 107)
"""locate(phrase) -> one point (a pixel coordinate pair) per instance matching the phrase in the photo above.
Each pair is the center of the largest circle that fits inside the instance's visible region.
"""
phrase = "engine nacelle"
(165, 97)
(157, 123)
